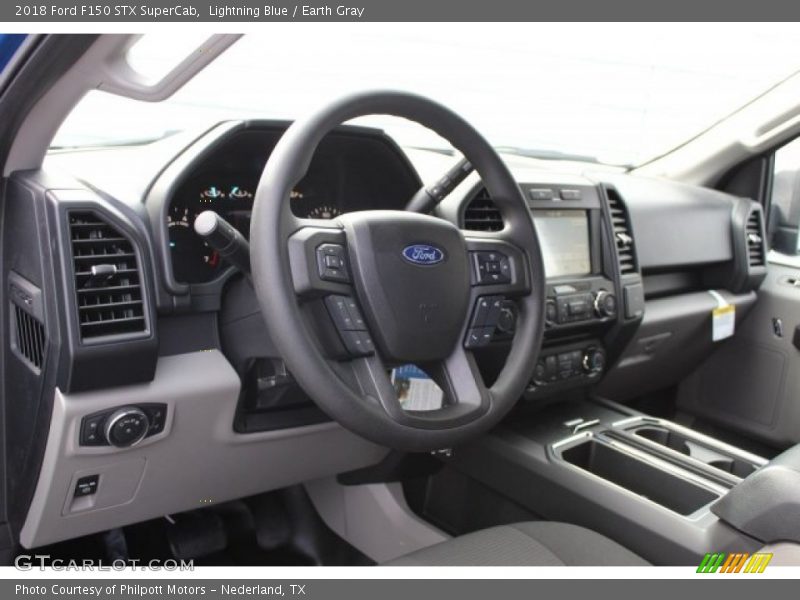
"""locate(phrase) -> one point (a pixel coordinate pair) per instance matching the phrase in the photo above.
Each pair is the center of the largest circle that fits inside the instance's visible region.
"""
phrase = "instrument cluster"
(350, 172)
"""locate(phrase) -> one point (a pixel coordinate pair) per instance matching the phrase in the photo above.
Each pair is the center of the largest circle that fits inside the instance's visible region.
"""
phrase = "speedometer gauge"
(324, 211)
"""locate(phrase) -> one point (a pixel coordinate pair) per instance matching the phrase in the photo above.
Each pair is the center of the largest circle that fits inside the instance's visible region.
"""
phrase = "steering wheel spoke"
(318, 261)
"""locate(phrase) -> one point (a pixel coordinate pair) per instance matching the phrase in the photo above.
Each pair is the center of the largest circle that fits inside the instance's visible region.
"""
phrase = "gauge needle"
(213, 259)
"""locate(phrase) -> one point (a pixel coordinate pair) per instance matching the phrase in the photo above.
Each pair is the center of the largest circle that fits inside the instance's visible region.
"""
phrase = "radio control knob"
(126, 427)
(605, 304)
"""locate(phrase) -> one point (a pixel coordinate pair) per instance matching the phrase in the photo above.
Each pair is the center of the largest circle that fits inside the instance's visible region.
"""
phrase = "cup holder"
(665, 438)
(738, 468)
(699, 447)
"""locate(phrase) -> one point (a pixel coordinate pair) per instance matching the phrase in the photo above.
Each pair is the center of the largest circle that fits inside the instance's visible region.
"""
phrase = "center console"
(592, 278)
(659, 488)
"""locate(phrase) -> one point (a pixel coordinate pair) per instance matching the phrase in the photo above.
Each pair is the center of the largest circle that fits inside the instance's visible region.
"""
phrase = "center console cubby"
(659, 483)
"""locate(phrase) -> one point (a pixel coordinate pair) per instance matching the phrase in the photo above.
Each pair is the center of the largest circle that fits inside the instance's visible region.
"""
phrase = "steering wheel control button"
(338, 309)
(507, 319)
(126, 427)
(492, 268)
(479, 337)
(481, 311)
(331, 263)
(487, 312)
(355, 314)
(345, 313)
(86, 486)
(358, 343)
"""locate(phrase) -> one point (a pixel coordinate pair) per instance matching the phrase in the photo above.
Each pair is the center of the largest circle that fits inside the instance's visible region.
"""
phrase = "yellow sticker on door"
(723, 321)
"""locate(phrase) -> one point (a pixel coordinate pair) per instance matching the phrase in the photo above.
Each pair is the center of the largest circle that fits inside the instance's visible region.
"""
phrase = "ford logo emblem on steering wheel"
(423, 254)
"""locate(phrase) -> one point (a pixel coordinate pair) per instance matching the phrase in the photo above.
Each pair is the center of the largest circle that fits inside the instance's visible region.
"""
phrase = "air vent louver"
(29, 337)
(623, 236)
(755, 240)
(481, 214)
(108, 284)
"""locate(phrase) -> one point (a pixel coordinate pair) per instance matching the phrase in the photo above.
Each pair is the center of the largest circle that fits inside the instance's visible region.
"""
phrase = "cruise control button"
(482, 306)
(478, 337)
(486, 335)
(495, 307)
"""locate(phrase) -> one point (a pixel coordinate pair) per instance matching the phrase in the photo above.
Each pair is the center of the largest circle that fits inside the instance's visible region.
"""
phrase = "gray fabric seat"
(536, 543)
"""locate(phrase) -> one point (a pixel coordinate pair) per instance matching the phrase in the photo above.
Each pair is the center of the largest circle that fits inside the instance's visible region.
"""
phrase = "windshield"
(618, 94)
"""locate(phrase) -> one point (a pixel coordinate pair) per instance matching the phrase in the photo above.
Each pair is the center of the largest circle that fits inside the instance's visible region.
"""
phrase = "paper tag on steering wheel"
(415, 390)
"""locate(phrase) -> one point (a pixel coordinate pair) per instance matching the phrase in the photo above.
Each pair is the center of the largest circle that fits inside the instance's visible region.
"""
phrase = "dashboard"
(353, 169)
(611, 244)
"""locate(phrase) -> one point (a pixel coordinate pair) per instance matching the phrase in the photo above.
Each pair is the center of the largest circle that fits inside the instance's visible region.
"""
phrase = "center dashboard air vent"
(754, 234)
(108, 278)
(623, 234)
(481, 214)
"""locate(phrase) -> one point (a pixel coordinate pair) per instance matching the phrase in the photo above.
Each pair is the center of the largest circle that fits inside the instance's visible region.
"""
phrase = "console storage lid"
(766, 505)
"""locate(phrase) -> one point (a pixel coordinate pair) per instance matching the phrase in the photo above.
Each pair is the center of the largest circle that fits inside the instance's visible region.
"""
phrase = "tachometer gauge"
(324, 211)
(193, 261)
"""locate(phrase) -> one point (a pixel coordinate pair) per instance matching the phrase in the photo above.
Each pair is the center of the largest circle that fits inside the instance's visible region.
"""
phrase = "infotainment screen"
(564, 238)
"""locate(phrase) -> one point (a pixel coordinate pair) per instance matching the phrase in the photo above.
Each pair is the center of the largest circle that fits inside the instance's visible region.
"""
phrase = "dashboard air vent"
(481, 214)
(623, 236)
(28, 337)
(108, 280)
(755, 240)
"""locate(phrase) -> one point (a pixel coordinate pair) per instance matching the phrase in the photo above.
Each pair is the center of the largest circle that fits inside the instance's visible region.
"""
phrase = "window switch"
(86, 486)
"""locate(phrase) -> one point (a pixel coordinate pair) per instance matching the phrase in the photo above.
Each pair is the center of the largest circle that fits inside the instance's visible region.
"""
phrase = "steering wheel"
(347, 299)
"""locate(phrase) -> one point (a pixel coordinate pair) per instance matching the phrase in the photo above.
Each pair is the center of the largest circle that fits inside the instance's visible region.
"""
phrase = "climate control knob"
(594, 361)
(126, 427)
(605, 304)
